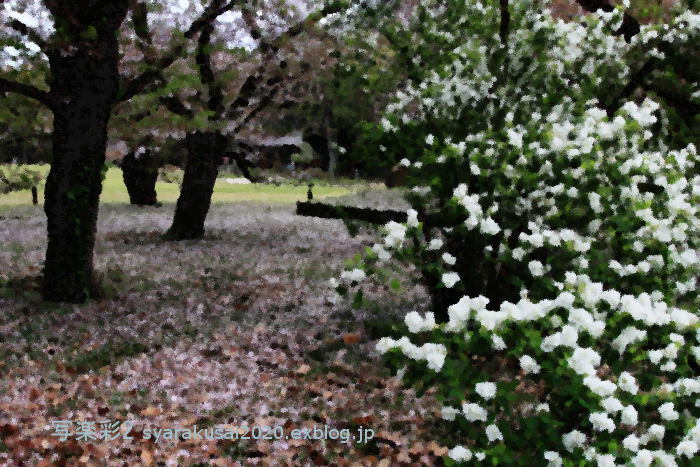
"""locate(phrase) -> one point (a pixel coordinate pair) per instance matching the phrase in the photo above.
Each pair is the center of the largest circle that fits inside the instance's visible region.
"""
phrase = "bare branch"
(206, 73)
(215, 9)
(242, 164)
(249, 19)
(30, 33)
(259, 107)
(27, 90)
(268, 48)
(175, 105)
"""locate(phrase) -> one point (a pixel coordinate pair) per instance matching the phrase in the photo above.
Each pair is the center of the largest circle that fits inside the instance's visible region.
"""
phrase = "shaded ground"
(237, 329)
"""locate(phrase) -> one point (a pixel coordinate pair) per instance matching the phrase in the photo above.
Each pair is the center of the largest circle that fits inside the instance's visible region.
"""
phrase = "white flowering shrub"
(559, 244)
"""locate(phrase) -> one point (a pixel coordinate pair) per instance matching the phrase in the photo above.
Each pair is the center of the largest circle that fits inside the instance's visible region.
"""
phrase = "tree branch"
(636, 80)
(29, 91)
(270, 47)
(137, 84)
(242, 164)
(373, 216)
(249, 19)
(206, 73)
(684, 107)
(505, 22)
(630, 26)
(30, 33)
(173, 104)
(264, 102)
(139, 19)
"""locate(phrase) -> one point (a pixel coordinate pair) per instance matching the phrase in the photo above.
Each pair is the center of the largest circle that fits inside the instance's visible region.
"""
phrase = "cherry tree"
(81, 41)
(220, 87)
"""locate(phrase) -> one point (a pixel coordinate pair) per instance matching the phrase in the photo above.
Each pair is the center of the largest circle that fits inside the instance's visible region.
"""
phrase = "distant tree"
(83, 88)
(221, 88)
(25, 128)
(359, 74)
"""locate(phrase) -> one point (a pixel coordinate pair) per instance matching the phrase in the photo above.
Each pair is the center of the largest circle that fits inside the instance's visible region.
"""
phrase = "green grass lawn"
(114, 191)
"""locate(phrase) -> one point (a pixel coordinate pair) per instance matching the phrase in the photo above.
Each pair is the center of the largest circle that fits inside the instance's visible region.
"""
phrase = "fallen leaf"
(350, 339)
(437, 449)
(303, 369)
(149, 411)
(147, 457)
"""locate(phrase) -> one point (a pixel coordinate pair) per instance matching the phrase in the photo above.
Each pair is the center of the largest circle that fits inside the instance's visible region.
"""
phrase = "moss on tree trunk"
(85, 83)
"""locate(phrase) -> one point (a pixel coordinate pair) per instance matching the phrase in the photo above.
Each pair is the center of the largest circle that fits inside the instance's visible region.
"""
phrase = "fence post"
(35, 196)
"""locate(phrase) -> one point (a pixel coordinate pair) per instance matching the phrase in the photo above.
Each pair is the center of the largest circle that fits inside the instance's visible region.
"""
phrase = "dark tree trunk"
(84, 83)
(140, 176)
(319, 143)
(204, 152)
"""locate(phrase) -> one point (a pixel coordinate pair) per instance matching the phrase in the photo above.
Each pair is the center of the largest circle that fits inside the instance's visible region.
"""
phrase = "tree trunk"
(140, 176)
(85, 84)
(319, 143)
(204, 151)
(332, 161)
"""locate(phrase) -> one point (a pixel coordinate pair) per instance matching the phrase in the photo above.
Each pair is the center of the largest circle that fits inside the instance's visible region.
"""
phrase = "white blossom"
(450, 279)
(486, 390)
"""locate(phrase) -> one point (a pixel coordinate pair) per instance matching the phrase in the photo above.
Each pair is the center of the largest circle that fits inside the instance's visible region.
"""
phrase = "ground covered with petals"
(239, 328)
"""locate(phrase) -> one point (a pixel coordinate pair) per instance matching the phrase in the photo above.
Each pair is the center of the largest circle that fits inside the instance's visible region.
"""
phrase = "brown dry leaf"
(363, 420)
(231, 351)
(437, 449)
(150, 410)
(384, 463)
(403, 456)
(416, 448)
(147, 457)
(350, 338)
(221, 462)
(303, 369)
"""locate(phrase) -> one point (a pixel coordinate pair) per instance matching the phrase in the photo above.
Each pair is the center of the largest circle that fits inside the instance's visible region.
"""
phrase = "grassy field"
(114, 191)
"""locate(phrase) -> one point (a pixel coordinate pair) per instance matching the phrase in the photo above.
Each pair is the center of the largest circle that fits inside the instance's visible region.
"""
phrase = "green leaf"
(358, 300)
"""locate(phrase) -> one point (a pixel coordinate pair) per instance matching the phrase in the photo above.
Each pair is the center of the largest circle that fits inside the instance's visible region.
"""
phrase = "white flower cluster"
(593, 218)
(433, 354)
